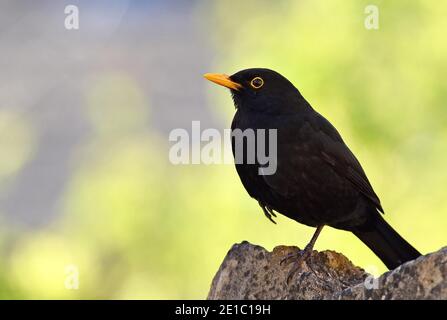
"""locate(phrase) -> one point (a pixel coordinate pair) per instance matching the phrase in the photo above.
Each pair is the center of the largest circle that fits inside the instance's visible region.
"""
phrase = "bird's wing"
(335, 152)
(324, 147)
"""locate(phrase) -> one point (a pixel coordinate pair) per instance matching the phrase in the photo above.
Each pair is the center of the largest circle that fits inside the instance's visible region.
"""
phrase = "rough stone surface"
(423, 278)
(251, 272)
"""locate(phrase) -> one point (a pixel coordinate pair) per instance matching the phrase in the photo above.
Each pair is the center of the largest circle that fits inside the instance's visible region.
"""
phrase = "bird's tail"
(387, 244)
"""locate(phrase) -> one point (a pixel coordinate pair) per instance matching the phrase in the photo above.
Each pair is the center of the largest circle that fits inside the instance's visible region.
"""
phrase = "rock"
(251, 272)
(423, 278)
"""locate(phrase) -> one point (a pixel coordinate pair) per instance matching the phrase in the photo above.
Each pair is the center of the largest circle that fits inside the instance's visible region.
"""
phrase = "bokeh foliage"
(138, 227)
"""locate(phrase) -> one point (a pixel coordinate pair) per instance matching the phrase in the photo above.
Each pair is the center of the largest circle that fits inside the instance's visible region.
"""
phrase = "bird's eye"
(257, 82)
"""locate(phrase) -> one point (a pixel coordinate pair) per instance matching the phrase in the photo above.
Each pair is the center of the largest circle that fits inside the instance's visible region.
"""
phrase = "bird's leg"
(300, 257)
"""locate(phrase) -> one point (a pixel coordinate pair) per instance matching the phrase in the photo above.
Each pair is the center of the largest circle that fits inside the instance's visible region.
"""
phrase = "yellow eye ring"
(257, 82)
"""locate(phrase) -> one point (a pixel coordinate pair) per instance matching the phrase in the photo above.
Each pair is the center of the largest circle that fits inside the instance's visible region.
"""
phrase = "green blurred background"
(85, 115)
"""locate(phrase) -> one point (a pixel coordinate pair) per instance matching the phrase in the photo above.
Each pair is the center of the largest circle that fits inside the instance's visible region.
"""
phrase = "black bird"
(318, 180)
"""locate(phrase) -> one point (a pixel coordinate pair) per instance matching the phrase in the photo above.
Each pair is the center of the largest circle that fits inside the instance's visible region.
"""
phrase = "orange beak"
(223, 80)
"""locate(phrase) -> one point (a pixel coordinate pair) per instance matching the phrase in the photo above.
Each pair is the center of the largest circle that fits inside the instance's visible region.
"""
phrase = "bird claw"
(289, 258)
(298, 258)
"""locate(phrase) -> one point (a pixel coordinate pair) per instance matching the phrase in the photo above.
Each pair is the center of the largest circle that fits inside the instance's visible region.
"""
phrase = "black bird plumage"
(318, 181)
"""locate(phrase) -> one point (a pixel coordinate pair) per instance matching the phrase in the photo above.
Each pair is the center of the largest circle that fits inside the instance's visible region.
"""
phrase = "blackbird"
(318, 181)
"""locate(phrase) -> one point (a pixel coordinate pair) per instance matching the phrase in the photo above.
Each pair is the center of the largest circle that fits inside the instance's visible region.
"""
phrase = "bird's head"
(260, 90)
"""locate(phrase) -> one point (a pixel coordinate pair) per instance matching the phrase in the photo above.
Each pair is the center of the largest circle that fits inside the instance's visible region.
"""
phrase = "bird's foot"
(297, 258)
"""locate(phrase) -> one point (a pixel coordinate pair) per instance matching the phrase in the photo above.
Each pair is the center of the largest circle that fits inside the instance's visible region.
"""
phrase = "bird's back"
(305, 186)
